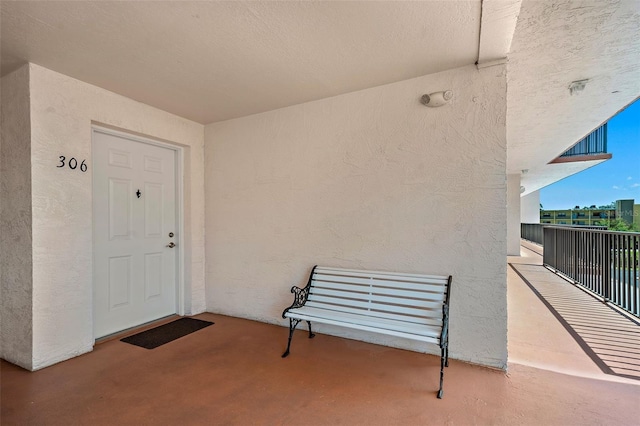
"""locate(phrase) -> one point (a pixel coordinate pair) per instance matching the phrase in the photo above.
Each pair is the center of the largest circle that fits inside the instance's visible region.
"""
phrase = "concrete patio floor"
(588, 340)
(231, 373)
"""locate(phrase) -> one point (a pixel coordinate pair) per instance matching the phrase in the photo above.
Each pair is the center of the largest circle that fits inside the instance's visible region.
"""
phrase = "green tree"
(621, 225)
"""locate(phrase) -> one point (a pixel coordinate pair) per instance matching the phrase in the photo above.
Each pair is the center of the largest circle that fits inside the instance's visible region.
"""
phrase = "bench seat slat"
(388, 302)
(433, 321)
(419, 329)
(383, 275)
(425, 295)
(360, 322)
(379, 280)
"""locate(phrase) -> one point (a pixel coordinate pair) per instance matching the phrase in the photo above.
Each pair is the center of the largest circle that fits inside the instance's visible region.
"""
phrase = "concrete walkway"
(232, 374)
(553, 325)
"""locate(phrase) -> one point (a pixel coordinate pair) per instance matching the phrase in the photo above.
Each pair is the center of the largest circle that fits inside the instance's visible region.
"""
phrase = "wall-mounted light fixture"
(436, 99)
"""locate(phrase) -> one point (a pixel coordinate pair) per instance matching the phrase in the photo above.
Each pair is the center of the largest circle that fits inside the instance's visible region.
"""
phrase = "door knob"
(171, 245)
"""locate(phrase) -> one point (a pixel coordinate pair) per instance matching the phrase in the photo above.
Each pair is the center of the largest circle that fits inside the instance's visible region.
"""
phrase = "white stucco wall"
(513, 214)
(373, 180)
(15, 221)
(62, 112)
(530, 208)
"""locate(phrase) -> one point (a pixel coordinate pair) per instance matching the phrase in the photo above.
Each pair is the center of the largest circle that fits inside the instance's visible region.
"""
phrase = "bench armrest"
(300, 295)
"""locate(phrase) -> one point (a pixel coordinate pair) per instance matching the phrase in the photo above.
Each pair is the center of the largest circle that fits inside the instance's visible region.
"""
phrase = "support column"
(513, 215)
(16, 280)
(530, 208)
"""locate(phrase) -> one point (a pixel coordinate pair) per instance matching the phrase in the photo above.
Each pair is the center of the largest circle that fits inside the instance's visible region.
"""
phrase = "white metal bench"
(406, 305)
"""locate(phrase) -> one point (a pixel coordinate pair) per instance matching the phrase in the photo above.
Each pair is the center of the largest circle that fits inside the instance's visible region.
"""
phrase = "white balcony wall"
(513, 214)
(371, 180)
(530, 208)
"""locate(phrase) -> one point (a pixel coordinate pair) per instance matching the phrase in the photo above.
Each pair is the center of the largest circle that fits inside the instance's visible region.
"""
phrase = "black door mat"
(151, 339)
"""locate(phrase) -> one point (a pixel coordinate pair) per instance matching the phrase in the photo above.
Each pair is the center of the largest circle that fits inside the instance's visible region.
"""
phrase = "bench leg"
(293, 323)
(311, 334)
(446, 356)
(442, 362)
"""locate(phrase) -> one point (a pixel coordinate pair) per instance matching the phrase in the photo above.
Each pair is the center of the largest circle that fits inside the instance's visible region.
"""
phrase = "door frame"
(179, 185)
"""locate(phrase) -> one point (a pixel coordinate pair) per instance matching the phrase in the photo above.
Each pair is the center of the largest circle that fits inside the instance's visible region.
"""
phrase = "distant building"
(625, 210)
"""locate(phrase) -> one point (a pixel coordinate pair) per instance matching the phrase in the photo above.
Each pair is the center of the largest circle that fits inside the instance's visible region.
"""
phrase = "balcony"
(592, 147)
(232, 373)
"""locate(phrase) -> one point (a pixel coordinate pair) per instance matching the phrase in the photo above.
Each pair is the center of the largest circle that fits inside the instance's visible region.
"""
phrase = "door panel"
(134, 209)
(152, 164)
(153, 210)
(119, 158)
(119, 209)
(152, 275)
(119, 281)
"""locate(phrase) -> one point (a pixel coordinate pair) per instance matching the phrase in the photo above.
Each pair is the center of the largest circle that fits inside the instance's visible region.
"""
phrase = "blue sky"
(616, 179)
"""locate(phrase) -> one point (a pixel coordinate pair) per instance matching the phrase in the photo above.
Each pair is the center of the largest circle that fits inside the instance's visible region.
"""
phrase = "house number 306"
(72, 163)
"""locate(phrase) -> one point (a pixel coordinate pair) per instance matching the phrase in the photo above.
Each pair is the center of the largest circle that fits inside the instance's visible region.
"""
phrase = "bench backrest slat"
(411, 298)
(382, 275)
(397, 292)
(435, 288)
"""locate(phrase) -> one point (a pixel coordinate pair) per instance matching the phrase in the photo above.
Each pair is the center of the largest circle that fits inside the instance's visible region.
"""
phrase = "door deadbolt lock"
(170, 234)
(171, 245)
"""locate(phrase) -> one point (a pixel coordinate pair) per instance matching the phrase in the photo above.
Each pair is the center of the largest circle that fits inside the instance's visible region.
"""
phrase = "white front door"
(134, 230)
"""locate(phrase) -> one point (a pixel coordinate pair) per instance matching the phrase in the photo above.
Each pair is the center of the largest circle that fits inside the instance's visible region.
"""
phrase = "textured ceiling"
(556, 43)
(212, 61)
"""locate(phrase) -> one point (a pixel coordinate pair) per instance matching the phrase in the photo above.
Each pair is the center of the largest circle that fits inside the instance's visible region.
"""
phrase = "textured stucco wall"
(556, 43)
(513, 214)
(530, 208)
(62, 112)
(370, 179)
(15, 221)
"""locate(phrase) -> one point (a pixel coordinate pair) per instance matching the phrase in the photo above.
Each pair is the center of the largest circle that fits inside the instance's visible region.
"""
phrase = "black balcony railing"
(533, 231)
(603, 262)
(594, 143)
